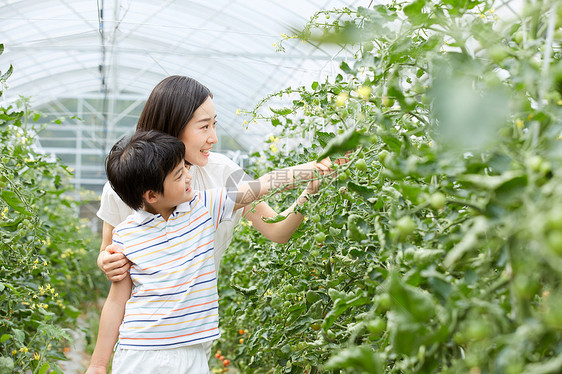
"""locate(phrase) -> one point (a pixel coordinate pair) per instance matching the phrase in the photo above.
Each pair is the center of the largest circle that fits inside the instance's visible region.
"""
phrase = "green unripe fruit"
(316, 218)
(361, 165)
(376, 326)
(535, 163)
(497, 53)
(405, 226)
(320, 237)
(383, 155)
(314, 252)
(554, 241)
(437, 200)
(368, 46)
(477, 330)
(342, 176)
(384, 301)
(276, 301)
(554, 221)
(387, 101)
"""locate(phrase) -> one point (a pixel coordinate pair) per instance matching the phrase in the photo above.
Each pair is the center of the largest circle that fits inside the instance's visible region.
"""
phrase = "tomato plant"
(442, 239)
(48, 268)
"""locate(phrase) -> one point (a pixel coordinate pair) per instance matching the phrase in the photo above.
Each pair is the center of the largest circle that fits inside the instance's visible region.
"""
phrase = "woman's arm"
(110, 320)
(110, 260)
(281, 232)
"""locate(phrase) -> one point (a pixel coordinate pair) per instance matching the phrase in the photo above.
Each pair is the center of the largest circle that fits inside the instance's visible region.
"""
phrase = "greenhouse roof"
(99, 60)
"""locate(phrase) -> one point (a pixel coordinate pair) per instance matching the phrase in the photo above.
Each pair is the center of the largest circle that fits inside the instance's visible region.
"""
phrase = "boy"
(168, 305)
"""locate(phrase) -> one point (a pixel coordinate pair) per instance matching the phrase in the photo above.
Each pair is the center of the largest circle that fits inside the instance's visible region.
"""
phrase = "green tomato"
(361, 165)
(383, 155)
(554, 220)
(535, 163)
(554, 242)
(276, 301)
(314, 252)
(518, 37)
(384, 301)
(477, 330)
(405, 226)
(316, 218)
(320, 237)
(437, 200)
(387, 101)
(368, 46)
(342, 176)
(376, 326)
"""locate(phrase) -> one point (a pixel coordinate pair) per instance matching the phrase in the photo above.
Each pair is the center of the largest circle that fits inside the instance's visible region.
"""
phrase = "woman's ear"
(150, 197)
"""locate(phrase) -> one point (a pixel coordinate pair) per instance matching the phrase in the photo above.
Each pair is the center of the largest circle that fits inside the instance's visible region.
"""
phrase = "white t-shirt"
(219, 172)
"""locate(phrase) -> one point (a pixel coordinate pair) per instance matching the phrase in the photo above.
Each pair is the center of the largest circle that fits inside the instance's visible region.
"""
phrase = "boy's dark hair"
(171, 105)
(140, 163)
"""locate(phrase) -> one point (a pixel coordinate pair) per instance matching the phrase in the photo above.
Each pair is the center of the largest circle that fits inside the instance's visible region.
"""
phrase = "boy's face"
(177, 186)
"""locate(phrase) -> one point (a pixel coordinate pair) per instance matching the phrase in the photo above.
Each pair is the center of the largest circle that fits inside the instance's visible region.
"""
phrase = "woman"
(184, 108)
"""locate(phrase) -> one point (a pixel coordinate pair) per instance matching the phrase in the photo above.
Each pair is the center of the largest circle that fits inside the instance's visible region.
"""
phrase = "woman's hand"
(113, 263)
(324, 167)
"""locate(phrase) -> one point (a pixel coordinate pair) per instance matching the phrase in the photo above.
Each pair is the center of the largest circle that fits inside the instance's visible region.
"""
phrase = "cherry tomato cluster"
(225, 361)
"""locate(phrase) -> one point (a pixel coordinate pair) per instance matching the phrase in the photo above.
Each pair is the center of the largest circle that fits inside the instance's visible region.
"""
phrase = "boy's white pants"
(190, 359)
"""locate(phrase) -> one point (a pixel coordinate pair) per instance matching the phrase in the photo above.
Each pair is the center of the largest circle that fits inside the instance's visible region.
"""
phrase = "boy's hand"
(114, 263)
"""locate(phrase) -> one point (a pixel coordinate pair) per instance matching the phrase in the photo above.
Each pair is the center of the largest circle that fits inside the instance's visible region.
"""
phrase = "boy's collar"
(141, 216)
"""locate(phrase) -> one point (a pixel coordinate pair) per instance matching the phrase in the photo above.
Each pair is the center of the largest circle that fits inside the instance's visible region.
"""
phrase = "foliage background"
(438, 248)
(48, 271)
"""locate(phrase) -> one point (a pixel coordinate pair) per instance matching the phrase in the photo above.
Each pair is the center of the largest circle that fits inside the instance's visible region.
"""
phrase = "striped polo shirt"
(174, 300)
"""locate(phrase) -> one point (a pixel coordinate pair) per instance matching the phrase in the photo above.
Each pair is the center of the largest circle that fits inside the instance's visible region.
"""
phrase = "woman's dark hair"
(141, 163)
(171, 105)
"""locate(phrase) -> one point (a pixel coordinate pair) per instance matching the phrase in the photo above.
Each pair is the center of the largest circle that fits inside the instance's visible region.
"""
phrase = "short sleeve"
(112, 209)
(219, 203)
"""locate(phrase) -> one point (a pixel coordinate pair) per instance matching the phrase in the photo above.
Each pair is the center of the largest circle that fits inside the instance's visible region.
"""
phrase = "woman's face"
(200, 134)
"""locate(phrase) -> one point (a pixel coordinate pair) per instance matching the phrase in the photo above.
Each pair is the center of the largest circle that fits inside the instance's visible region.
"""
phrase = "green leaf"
(410, 301)
(282, 111)
(44, 368)
(274, 219)
(71, 311)
(19, 335)
(414, 11)
(348, 140)
(364, 190)
(13, 200)
(392, 142)
(6, 365)
(493, 182)
(362, 357)
(5, 337)
(7, 74)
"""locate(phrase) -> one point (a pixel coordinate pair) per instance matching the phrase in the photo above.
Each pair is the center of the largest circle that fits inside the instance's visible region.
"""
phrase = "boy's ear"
(150, 196)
